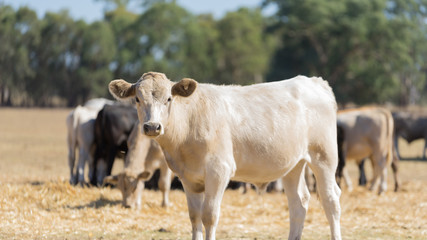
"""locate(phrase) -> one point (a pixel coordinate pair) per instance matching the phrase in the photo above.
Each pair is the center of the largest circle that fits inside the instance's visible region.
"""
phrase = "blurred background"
(62, 53)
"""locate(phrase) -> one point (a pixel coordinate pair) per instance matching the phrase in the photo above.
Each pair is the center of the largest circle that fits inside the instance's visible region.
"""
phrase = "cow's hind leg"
(362, 175)
(383, 176)
(324, 170)
(165, 183)
(71, 161)
(424, 149)
(71, 158)
(83, 158)
(395, 168)
(379, 164)
(347, 180)
(298, 197)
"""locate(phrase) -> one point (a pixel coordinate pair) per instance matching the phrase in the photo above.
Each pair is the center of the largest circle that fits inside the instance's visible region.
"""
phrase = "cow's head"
(100, 172)
(131, 187)
(154, 94)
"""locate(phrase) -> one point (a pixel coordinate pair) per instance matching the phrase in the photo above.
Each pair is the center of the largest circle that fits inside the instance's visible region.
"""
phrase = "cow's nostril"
(146, 128)
(158, 128)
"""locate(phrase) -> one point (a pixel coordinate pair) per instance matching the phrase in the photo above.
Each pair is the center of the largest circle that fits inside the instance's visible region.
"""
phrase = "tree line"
(370, 51)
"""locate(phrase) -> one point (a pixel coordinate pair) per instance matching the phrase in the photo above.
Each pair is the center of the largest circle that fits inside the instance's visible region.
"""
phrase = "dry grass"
(36, 201)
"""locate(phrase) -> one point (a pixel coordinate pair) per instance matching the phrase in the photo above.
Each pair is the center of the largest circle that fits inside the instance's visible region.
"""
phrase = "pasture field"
(36, 201)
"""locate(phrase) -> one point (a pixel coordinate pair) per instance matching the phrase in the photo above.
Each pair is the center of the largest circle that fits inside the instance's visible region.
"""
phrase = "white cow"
(255, 134)
(80, 127)
(143, 158)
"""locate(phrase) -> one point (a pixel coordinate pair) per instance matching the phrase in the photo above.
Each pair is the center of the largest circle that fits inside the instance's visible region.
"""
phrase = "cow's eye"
(169, 99)
(136, 99)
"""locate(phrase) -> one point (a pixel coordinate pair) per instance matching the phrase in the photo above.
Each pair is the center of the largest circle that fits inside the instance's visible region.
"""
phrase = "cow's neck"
(182, 126)
(179, 124)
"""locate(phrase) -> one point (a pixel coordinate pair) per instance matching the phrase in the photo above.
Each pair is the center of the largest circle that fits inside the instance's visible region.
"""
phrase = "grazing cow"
(144, 156)
(366, 133)
(80, 134)
(113, 125)
(410, 126)
(254, 134)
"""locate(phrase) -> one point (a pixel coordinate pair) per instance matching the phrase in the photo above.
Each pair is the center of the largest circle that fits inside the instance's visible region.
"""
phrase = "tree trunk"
(5, 99)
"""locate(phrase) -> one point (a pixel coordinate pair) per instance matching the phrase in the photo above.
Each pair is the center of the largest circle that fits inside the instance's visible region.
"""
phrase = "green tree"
(98, 51)
(169, 39)
(121, 20)
(7, 35)
(245, 51)
(19, 35)
(201, 49)
(408, 59)
(361, 46)
(54, 56)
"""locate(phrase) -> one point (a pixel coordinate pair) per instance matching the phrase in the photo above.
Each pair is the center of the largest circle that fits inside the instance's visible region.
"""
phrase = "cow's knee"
(209, 216)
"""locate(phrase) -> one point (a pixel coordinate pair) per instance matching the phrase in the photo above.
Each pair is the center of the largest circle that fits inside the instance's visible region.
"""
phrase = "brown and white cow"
(143, 157)
(255, 134)
(367, 133)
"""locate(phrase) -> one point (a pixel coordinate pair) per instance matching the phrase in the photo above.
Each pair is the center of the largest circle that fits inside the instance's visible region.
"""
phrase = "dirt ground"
(36, 201)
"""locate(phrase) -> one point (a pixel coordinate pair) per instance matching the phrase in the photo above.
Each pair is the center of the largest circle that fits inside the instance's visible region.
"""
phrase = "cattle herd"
(207, 135)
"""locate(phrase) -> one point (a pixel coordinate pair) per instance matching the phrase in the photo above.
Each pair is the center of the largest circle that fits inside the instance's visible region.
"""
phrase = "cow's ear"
(111, 180)
(120, 89)
(144, 176)
(184, 88)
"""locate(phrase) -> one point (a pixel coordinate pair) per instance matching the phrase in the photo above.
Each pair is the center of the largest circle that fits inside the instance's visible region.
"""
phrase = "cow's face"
(153, 94)
(131, 187)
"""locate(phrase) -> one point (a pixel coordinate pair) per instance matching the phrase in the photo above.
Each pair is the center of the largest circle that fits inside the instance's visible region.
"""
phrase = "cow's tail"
(389, 135)
(392, 158)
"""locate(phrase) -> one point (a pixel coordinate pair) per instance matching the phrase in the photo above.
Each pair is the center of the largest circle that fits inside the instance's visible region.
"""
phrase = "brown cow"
(367, 133)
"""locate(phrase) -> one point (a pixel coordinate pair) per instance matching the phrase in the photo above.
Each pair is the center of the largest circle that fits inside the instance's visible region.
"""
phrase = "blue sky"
(91, 10)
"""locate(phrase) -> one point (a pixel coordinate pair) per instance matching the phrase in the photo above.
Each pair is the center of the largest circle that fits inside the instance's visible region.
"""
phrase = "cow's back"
(272, 122)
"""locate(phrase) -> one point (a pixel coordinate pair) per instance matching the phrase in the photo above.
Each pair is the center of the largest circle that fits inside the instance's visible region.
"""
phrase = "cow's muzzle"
(152, 129)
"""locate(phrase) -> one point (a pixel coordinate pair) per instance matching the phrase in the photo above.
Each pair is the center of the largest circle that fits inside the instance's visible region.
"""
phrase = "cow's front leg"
(91, 163)
(194, 203)
(216, 180)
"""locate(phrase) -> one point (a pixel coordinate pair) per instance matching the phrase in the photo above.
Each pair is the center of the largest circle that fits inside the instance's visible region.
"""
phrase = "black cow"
(410, 126)
(112, 128)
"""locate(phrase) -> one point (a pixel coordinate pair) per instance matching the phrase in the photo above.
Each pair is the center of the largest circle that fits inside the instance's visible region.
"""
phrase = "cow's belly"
(359, 151)
(262, 168)
(263, 160)
(259, 176)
